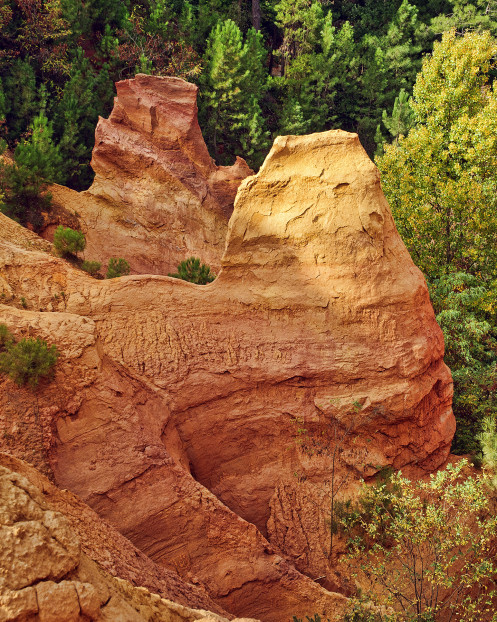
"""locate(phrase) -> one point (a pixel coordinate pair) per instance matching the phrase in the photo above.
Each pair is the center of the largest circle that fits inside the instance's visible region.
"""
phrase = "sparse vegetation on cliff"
(67, 241)
(26, 361)
(194, 271)
(117, 267)
(91, 267)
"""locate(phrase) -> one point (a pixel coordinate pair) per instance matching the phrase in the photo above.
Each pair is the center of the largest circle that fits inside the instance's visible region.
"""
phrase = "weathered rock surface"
(158, 197)
(186, 414)
(49, 542)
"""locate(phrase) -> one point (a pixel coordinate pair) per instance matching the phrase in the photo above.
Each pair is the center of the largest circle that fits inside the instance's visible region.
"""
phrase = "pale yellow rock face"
(186, 414)
(158, 197)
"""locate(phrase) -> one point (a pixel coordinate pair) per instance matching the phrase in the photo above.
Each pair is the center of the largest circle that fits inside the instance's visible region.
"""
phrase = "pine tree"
(389, 62)
(301, 22)
(292, 119)
(37, 161)
(322, 87)
(91, 16)
(28, 360)
(402, 118)
(194, 271)
(232, 86)
(38, 153)
(86, 95)
(402, 48)
(466, 16)
(21, 97)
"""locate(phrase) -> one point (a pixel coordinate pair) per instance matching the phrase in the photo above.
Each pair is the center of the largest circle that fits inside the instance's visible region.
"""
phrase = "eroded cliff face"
(158, 197)
(48, 549)
(201, 421)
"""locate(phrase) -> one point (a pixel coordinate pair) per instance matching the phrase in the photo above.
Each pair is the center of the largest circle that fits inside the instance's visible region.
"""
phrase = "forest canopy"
(264, 67)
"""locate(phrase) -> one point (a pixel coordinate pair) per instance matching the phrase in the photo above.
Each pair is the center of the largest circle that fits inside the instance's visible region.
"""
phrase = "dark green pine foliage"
(21, 97)
(92, 16)
(86, 95)
(320, 88)
(68, 242)
(39, 153)
(117, 267)
(463, 15)
(194, 271)
(253, 136)
(398, 123)
(389, 62)
(464, 310)
(28, 360)
(333, 79)
(37, 162)
(300, 22)
(402, 48)
(232, 86)
(367, 16)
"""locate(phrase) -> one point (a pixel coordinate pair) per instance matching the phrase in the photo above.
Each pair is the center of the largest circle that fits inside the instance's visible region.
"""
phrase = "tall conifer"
(232, 85)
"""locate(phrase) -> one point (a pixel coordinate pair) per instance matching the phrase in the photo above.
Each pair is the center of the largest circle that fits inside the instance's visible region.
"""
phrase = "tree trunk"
(256, 14)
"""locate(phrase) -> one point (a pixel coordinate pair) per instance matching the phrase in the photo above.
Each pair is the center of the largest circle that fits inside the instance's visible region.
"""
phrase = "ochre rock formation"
(186, 414)
(48, 545)
(158, 197)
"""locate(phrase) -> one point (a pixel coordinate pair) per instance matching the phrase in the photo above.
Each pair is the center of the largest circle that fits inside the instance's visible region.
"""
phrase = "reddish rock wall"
(158, 197)
(185, 413)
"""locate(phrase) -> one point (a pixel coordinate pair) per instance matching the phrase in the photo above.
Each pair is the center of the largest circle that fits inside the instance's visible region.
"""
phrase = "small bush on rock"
(193, 271)
(28, 360)
(67, 241)
(117, 267)
(92, 267)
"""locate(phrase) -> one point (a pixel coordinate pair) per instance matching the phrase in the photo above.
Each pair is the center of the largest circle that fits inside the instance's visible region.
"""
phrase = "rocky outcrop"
(186, 415)
(158, 197)
(49, 543)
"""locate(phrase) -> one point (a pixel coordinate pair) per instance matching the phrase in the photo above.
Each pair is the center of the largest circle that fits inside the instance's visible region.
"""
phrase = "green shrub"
(193, 271)
(363, 610)
(67, 241)
(5, 336)
(488, 440)
(117, 267)
(28, 360)
(92, 267)
(414, 538)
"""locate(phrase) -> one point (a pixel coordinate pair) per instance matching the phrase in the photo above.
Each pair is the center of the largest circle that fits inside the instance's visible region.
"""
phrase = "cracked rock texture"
(201, 420)
(49, 540)
(158, 197)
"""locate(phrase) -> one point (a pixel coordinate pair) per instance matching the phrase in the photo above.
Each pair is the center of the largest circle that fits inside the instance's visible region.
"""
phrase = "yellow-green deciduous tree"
(427, 549)
(441, 179)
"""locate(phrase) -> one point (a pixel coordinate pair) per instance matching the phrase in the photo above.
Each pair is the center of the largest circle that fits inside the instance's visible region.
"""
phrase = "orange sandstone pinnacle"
(173, 412)
(157, 197)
